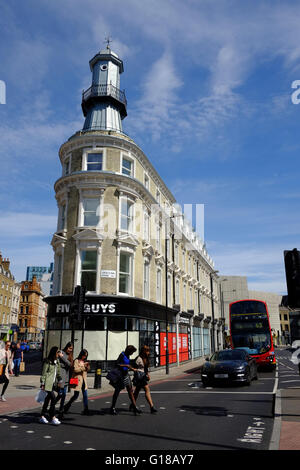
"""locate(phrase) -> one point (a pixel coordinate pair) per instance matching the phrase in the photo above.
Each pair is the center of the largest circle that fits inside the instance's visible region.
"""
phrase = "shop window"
(96, 322)
(54, 323)
(116, 324)
(132, 324)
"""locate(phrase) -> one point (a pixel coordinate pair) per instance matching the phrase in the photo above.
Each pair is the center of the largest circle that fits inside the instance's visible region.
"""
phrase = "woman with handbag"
(66, 364)
(49, 380)
(78, 381)
(6, 363)
(142, 377)
(123, 364)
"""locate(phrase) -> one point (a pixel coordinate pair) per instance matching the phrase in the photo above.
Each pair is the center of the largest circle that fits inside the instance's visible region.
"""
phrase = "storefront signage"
(93, 308)
(108, 274)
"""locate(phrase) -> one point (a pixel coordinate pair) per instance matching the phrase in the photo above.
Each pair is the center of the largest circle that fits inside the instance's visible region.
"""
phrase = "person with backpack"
(123, 364)
(51, 376)
(142, 377)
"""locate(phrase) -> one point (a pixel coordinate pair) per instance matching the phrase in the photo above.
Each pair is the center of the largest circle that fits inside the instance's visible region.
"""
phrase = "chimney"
(5, 264)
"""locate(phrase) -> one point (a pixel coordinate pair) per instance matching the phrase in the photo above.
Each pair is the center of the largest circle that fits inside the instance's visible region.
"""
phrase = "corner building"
(120, 235)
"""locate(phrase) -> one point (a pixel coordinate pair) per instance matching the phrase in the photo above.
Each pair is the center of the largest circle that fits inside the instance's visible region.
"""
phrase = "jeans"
(61, 397)
(17, 363)
(49, 398)
(76, 395)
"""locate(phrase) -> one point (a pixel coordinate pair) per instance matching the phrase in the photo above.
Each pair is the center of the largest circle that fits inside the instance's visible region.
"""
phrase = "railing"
(104, 90)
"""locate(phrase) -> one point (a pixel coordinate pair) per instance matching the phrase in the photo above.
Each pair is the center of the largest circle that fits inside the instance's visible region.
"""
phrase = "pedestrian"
(18, 357)
(79, 377)
(123, 364)
(66, 364)
(51, 377)
(143, 363)
(6, 361)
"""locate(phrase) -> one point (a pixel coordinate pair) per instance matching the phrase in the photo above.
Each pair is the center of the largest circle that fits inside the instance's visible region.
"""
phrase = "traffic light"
(292, 271)
(78, 302)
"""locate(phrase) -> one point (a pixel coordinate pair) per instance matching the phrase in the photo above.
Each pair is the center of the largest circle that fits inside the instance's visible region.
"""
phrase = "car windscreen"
(229, 356)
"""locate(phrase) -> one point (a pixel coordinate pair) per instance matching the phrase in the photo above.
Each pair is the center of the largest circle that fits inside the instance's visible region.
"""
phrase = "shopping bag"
(40, 396)
(22, 366)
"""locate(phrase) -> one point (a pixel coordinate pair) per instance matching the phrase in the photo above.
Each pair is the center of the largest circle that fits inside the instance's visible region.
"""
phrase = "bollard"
(98, 373)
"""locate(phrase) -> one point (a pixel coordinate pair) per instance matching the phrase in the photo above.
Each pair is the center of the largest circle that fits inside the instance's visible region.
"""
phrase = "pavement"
(22, 390)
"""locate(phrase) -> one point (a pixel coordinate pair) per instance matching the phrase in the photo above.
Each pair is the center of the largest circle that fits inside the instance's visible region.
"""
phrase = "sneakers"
(2, 398)
(55, 421)
(43, 420)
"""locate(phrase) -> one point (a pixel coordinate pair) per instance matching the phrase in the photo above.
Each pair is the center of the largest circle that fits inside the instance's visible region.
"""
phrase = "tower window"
(94, 161)
(127, 167)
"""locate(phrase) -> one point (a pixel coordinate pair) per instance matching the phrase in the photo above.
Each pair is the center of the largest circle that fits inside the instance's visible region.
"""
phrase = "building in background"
(44, 275)
(32, 314)
(120, 234)
(7, 283)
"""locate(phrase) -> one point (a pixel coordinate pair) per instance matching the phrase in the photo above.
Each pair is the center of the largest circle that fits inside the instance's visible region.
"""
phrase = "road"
(189, 417)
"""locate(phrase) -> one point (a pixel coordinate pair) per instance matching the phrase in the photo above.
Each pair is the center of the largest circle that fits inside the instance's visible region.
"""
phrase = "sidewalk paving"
(22, 390)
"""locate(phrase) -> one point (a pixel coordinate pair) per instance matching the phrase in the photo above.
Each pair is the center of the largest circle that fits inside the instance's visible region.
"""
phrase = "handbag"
(2, 373)
(74, 381)
(22, 366)
(140, 378)
(114, 376)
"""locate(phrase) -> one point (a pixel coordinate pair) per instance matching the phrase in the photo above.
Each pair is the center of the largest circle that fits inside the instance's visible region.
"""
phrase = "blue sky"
(208, 85)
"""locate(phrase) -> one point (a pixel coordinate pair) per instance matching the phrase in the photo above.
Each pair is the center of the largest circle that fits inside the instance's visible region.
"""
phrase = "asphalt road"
(189, 418)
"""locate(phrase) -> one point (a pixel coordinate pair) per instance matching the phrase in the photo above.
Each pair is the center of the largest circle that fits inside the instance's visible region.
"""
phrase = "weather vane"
(108, 40)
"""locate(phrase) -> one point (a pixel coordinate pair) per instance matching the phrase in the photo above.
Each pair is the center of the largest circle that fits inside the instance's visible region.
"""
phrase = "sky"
(209, 91)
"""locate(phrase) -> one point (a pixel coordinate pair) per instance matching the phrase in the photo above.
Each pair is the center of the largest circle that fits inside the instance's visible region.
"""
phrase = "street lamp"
(212, 310)
(166, 278)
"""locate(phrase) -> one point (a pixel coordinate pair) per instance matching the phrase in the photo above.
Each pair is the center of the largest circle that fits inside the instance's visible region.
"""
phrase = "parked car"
(229, 365)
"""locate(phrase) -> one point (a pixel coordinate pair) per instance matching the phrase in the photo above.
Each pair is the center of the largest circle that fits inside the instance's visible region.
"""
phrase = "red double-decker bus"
(250, 330)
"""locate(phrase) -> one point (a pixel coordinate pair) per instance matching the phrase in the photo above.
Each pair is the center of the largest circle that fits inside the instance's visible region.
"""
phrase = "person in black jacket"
(123, 363)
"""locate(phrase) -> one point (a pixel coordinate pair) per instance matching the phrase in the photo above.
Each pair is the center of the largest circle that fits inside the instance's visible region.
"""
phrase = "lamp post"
(166, 279)
(212, 310)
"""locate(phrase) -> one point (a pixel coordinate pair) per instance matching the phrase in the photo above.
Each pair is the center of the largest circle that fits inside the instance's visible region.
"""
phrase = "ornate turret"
(104, 104)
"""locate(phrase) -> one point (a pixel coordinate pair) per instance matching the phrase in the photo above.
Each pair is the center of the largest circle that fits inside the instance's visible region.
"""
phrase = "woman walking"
(143, 363)
(79, 375)
(17, 358)
(66, 364)
(50, 376)
(6, 361)
(123, 364)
